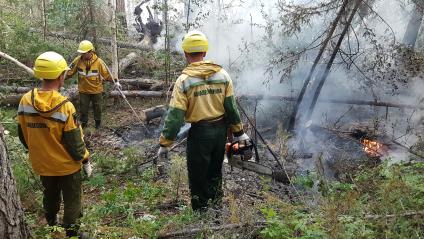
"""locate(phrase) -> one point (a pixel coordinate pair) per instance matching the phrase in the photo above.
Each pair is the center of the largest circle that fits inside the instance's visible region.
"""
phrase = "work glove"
(88, 170)
(118, 85)
(241, 138)
(163, 153)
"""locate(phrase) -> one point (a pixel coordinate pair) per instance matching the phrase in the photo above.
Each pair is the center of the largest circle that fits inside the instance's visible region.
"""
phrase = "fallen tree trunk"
(153, 113)
(105, 41)
(140, 93)
(12, 220)
(26, 68)
(194, 231)
(125, 62)
(13, 100)
(145, 84)
(14, 89)
(335, 101)
(10, 100)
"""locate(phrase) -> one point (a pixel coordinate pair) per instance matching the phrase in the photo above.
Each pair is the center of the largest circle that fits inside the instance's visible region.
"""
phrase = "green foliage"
(373, 206)
(304, 181)
(108, 163)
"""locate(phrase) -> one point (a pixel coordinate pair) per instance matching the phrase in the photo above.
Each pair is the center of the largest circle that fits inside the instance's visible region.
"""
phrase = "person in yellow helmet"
(49, 129)
(92, 71)
(203, 96)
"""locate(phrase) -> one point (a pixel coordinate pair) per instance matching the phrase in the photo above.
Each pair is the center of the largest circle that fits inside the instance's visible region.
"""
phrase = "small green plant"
(178, 174)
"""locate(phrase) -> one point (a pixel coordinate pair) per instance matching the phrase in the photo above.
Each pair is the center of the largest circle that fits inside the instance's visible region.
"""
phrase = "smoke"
(245, 36)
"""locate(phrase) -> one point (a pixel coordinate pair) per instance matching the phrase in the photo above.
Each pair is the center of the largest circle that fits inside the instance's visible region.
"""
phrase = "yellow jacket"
(48, 127)
(90, 74)
(204, 91)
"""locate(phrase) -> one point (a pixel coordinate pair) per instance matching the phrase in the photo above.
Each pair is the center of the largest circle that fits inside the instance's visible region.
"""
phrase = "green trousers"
(84, 103)
(69, 187)
(205, 154)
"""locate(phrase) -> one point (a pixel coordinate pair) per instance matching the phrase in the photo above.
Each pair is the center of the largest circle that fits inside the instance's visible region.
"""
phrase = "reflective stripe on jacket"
(90, 74)
(48, 127)
(203, 92)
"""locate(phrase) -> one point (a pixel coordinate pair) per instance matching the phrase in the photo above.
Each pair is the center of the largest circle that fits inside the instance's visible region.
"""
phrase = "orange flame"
(373, 148)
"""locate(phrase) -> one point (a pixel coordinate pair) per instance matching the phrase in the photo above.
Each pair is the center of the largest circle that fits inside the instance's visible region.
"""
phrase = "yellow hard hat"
(195, 41)
(85, 46)
(49, 66)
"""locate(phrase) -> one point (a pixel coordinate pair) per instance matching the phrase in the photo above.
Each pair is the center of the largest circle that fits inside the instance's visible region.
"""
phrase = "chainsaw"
(242, 149)
(240, 154)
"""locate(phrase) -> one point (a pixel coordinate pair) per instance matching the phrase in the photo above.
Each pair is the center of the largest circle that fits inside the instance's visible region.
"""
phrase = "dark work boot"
(98, 122)
(83, 124)
(71, 231)
(51, 220)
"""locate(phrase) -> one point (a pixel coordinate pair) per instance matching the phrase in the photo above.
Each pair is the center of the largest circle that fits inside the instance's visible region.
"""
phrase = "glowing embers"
(373, 148)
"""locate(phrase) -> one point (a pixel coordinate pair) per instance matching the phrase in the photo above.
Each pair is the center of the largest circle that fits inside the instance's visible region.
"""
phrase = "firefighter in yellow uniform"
(48, 128)
(203, 96)
(92, 71)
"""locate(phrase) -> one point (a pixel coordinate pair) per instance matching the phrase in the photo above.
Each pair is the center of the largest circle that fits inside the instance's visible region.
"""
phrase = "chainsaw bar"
(279, 176)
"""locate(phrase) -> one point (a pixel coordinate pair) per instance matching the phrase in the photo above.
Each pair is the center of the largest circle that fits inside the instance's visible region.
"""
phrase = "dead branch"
(406, 214)
(26, 68)
(194, 231)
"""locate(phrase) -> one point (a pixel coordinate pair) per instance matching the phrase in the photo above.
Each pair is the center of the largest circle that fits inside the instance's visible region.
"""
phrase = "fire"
(373, 148)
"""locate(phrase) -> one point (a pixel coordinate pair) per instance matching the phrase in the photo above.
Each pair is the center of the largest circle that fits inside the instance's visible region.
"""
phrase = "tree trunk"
(43, 6)
(143, 84)
(153, 113)
(13, 100)
(12, 221)
(26, 68)
(141, 94)
(114, 41)
(413, 27)
(324, 76)
(332, 29)
(93, 21)
(125, 62)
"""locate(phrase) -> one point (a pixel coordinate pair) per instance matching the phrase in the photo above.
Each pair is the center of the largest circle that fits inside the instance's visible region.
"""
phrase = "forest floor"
(126, 198)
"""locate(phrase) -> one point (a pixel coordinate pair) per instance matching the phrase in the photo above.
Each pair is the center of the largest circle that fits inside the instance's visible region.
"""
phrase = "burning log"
(153, 113)
(373, 148)
(130, 59)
